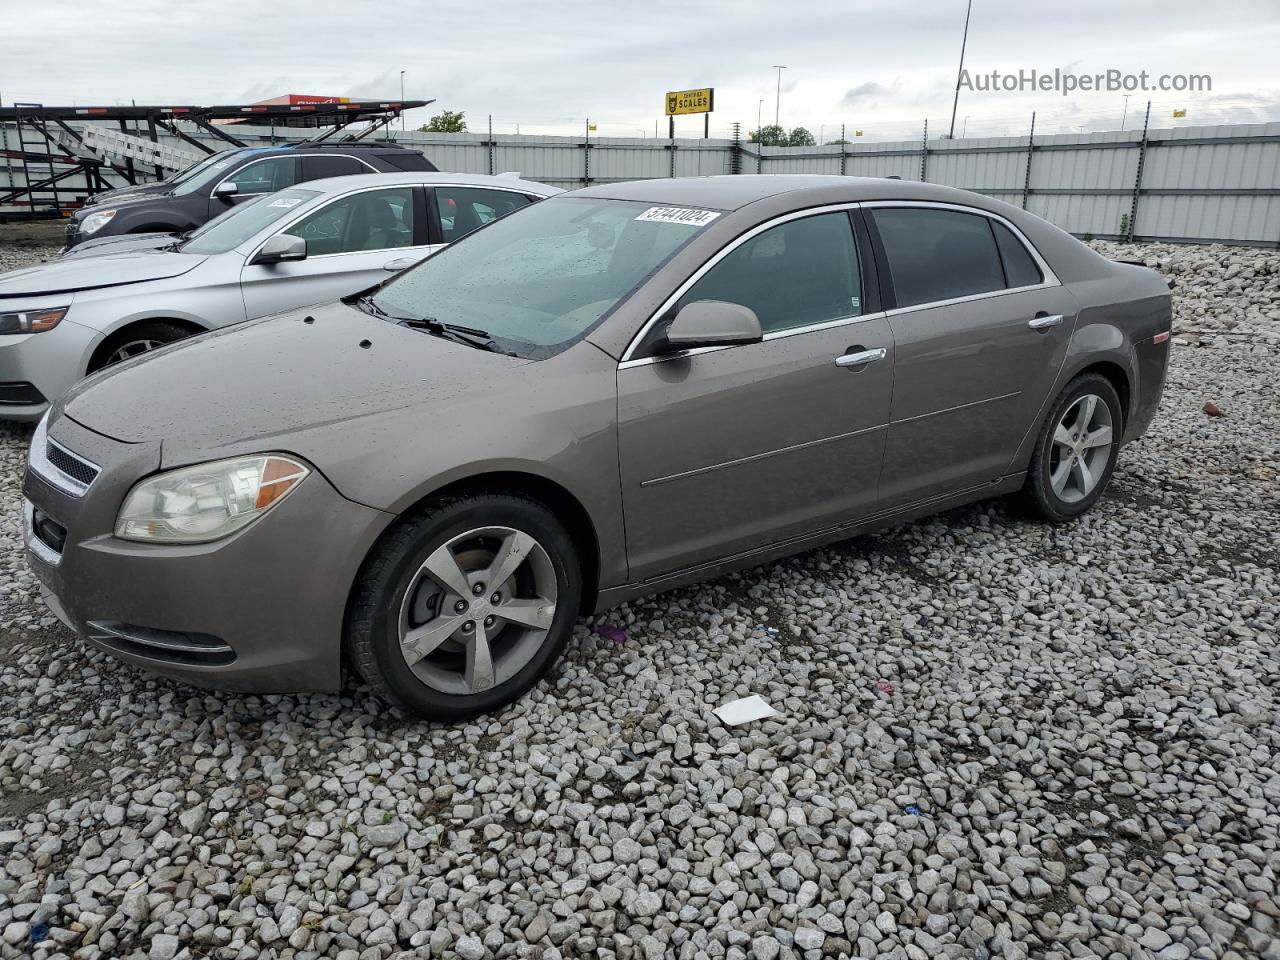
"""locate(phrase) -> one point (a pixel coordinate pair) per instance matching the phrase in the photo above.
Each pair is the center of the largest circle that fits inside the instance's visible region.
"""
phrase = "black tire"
(158, 332)
(372, 630)
(1038, 493)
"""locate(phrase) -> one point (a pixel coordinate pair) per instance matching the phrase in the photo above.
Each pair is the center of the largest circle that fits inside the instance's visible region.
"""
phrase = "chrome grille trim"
(38, 463)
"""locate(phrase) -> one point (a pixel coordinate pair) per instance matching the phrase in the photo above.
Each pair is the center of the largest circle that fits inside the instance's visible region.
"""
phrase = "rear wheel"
(465, 606)
(1076, 451)
(136, 340)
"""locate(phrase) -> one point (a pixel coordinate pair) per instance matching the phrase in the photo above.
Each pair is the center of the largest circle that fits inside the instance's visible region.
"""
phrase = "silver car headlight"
(31, 321)
(96, 221)
(207, 501)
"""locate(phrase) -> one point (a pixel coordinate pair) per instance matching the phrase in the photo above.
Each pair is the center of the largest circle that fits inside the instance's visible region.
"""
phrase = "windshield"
(542, 277)
(228, 230)
(200, 166)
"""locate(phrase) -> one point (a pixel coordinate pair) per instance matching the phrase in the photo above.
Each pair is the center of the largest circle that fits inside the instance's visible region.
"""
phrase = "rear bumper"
(1152, 365)
(259, 611)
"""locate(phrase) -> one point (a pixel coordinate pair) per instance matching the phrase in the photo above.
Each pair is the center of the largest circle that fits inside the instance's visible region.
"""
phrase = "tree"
(447, 122)
(769, 136)
(800, 137)
(836, 142)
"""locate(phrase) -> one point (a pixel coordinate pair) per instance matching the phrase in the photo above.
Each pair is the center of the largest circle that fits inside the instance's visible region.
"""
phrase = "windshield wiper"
(456, 332)
(368, 306)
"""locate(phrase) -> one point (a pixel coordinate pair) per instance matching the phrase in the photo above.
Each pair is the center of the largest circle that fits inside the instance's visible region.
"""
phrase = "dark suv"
(221, 180)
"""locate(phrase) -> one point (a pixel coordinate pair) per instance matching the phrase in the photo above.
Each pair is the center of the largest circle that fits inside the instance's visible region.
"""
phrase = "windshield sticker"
(285, 202)
(681, 215)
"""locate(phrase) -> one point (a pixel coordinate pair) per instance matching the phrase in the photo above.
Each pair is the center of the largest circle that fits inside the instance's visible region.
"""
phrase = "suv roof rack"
(346, 144)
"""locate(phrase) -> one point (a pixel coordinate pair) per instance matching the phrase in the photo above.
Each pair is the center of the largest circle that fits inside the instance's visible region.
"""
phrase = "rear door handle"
(860, 358)
(1044, 323)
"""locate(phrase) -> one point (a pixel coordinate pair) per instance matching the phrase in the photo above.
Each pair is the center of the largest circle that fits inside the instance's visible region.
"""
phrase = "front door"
(980, 338)
(353, 242)
(727, 450)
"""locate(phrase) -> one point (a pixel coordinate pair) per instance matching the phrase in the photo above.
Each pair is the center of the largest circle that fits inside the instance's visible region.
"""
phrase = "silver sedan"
(111, 299)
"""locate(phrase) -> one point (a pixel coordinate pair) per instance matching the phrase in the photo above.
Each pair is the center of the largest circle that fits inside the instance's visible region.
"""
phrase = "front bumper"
(37, 368)
(261, 610)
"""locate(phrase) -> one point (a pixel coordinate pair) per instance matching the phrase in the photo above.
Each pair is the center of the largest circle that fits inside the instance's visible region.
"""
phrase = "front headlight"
(96, 221)
(208, 501)
(31, 321)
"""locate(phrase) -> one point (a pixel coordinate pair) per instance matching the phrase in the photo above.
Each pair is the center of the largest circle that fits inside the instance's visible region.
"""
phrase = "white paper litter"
(737, 712)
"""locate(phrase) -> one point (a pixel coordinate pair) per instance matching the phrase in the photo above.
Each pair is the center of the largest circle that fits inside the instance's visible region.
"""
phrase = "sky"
(879, 67)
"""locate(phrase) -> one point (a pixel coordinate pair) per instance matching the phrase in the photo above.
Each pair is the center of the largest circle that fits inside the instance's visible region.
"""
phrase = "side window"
(792, 275)
(373, 220)
(265, 176)
(938, 254)
(317, 168)
(463, 209)
(1020, 270)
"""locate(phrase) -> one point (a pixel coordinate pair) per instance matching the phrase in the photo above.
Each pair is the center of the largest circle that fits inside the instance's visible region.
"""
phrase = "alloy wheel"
(477, 610)
(1081, 448)
(132, 349)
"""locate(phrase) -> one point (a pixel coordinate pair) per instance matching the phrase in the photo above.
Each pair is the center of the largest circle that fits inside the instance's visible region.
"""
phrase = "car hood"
(263, 382)
(70, 274)
(121, 194)
(128, 243)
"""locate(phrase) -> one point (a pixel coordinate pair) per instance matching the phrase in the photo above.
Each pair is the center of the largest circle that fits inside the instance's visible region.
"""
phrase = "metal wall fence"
(1216, 184)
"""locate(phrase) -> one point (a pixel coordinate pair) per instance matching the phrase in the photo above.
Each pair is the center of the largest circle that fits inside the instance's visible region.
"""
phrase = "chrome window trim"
(38, 462)
(629, 360)
(1050, 278)
(32, 542)
(278, 156)
(767, 338)
(322, 202)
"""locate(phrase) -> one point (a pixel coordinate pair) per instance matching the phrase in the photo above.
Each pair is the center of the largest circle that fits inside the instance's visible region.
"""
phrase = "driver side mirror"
(282, 247)
(713, 323)
(227, 188)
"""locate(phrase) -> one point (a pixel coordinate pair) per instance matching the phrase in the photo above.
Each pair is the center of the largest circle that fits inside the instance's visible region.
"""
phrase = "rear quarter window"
(409, 161)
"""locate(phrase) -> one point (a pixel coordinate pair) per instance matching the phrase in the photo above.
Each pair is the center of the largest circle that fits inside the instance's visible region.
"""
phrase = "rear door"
(729, 449)
(353, 242)
(981, 328)
(326, 165)
(460, 210)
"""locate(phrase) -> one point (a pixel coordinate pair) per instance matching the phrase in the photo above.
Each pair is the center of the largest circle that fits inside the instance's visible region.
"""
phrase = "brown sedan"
(604, 395)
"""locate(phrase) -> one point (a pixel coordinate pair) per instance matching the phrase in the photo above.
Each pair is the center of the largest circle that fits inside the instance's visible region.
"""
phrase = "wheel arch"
(117, 334)
(566, 507)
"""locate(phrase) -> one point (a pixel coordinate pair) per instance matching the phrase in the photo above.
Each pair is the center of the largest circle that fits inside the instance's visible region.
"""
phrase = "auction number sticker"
(682, 215)
(285, 202)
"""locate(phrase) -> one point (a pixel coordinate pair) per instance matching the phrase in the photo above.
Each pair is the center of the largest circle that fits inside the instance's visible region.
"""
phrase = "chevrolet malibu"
(607, 394)
(116, 297)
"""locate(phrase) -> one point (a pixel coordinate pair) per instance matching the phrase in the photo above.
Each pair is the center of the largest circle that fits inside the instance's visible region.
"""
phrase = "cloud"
(862, 93)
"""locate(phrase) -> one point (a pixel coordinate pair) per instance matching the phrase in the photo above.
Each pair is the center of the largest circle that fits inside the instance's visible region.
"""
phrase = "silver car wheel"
(1081, 448)
(132, 349)
(478, 610)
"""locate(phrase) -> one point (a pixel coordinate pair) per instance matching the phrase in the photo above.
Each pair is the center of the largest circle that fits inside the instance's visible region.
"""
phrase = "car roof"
(733, 191)
(429, 177)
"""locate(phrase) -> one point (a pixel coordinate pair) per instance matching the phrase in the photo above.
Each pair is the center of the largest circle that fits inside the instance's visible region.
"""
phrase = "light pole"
(759, 108)
(402, 100)
(960, 71)
(1124, 116)
(777, 103)
(964, 125)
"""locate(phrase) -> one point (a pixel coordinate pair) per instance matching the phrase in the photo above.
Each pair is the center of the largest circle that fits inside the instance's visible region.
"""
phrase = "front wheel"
(137, 340)
(1076, 451)
(465, 606)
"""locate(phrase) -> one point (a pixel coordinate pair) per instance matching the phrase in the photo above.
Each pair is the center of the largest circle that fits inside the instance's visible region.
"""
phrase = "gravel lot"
(998, 739)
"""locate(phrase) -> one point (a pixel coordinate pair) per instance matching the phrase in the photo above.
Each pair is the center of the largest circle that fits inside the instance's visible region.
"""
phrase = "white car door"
(353, 242)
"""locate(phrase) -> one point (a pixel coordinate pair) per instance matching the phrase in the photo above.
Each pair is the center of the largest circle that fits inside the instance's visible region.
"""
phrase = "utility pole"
(402, 101)
(960, 71)
(777, 103)
(759, 108)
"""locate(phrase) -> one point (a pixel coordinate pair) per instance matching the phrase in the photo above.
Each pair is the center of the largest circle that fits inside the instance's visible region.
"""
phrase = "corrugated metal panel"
(1082, 182)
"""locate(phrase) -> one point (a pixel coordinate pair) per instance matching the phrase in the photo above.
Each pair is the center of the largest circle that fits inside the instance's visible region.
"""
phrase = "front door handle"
(861, 358)
(1042, 322)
